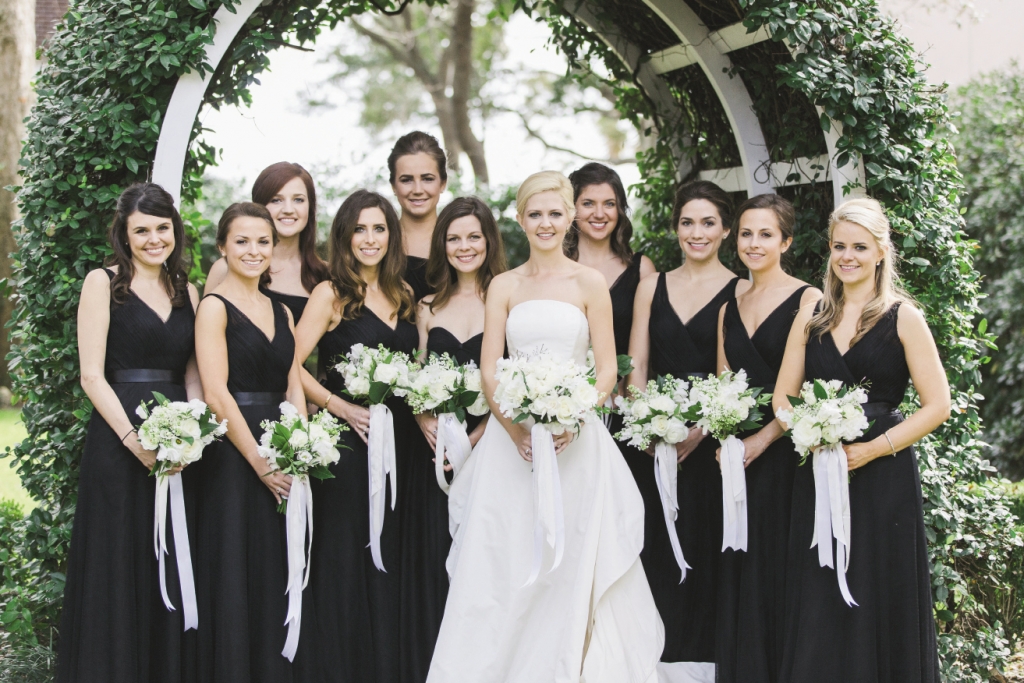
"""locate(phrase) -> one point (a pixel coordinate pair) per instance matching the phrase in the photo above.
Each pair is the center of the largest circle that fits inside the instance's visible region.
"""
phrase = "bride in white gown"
(591, 620)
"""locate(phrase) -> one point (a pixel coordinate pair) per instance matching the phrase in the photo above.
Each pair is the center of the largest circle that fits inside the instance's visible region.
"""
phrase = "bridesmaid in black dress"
(661, 343)
(363, 302)
(418, 175)
(135, 336)
(287, 190)
(752, 333)
(865, 331)
(465, 255)
(246, 354)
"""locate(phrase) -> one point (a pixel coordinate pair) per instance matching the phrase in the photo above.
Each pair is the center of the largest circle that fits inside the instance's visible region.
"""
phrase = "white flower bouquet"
(301, 448)
(726, 406)
(376, 374)
(659, 415)
(823, 416)
(178, 432)
(448, 391)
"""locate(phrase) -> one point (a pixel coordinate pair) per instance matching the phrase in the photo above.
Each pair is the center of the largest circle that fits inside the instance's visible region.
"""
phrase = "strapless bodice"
(547, 325)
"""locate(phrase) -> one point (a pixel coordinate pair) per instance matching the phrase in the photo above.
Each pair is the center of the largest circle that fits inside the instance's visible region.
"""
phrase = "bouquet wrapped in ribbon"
(726, 406)
(301, 448)
(375, 375)
(658, 415)
(556, 395)
(823, 416)
(448, 391)
(178, 432)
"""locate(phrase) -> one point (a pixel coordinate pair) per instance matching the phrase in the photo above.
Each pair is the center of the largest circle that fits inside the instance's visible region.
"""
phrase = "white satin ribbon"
(169, 486)
(549, 517)
(380, 454)
(298, 521)
(734, 494)
(666, 474)
(832, 513)
(453, 440)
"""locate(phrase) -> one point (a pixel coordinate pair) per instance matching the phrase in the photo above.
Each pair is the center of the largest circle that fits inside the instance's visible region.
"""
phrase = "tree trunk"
(17, 63)
(462, 46)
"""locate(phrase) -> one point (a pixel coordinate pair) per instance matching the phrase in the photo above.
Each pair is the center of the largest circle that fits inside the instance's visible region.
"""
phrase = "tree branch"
(558, 148)
(410, 57)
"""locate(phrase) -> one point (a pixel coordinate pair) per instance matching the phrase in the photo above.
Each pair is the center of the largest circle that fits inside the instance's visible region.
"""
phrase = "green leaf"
(132, 165)
(624, 364)
(820, 392)
(378, 392)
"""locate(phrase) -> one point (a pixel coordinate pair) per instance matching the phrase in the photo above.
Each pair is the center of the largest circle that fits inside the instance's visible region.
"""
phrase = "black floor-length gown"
(242, 560)
(687, 609)
(416, 276)
(889, 637)
(115, 627)
(358, 627)
(426, 538)
(752, 584)
(623, 292)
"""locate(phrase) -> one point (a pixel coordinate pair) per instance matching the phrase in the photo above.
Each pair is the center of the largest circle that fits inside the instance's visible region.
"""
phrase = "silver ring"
(279, 489)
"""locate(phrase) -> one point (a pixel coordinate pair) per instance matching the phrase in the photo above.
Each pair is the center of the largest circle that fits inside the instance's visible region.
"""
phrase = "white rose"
(288, 410)
(585, 395)
(640, 409)
(190, 428)
(358, 386)
(473, 380)
(386, 373)
(169, 454)
(298, 439)
(663, 404)
(659, 425)
(676, 431)
(479, 406)
(806, 434)
(565, 409)
(317, 433)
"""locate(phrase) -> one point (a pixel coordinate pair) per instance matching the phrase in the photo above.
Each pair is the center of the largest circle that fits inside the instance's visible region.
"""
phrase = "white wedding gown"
(591, 620)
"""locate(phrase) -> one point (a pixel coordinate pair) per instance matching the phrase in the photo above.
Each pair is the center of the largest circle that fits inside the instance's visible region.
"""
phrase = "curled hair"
(345, 270)
(868, 214)
(545, 181)
(441, 275)
(418, 142)
(268, 183)
(247, 210)
(785, 214)
(152, 200)
(702, 189)
(599, 174)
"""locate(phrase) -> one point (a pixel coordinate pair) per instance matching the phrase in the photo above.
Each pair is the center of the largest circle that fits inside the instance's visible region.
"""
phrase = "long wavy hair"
(868, 214)
(441, 275)
(345, 269)
(268, 183)
(152, 200)
(599, 174)
(250, 210)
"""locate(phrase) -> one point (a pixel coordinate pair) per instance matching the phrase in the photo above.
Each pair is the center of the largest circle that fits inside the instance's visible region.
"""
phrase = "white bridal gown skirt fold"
(592, 619)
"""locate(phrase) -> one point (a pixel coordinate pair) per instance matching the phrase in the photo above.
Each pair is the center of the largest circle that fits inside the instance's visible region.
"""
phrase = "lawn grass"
(11, 432)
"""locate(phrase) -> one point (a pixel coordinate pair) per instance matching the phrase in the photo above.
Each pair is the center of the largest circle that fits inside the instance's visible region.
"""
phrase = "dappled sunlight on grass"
(11, 432)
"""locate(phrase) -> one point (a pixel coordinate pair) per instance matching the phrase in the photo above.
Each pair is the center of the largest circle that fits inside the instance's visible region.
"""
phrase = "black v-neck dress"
(293, 302)
(752, 584)
(242, 567)
(358, 625)
(114, 625)
(889, 637)
(688, 608)
(424, 576)
(416, 276)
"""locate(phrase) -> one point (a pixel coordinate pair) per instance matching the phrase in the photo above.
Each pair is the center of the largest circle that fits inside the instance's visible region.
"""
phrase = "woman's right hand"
(279, 483)
(524, 443)
(146, 457)
(428, 425)
(357, 417)
(686, 446)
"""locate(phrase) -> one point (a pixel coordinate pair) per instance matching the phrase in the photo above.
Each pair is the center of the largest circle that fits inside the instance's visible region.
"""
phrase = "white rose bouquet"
(556, 395)
(376, 374)
(178, 432)
(726, 406)
(823, 416)
(659, 415)
(448, 391)
(301, 448)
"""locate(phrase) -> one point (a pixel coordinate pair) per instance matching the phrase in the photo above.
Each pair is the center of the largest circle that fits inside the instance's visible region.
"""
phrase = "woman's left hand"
(562, 440)
(857, 455)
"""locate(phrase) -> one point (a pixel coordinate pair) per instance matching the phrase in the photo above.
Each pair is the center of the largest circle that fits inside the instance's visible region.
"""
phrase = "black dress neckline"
(458, 341)
(713, 299)
(783, 306)
(247, 319)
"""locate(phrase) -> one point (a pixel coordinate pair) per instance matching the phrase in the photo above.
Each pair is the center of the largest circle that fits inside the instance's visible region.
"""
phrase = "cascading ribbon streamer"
(832, 513)
(666, 474)
(549, 516)
(453, 443)
(298, 521)
(734, 494)
(380, 454)
(169, 486)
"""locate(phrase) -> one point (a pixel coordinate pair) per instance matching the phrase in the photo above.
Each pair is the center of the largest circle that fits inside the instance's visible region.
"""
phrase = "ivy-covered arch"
(811, 98)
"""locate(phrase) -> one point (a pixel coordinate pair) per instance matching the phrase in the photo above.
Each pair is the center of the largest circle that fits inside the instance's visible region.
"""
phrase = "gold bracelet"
(890, 443)
(328, 401)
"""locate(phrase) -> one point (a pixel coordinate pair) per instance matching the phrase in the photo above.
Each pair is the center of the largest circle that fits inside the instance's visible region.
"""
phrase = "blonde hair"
(546, 181)
(868, 214)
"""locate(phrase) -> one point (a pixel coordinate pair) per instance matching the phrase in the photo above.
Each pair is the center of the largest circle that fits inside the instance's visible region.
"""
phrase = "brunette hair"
(250, 210)
(868, 214)
(599, 174)
(152, 200)
(349, 285)
(702, 189)
(785, 214)
(418, 142)
(268, 183)
(441, 275)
